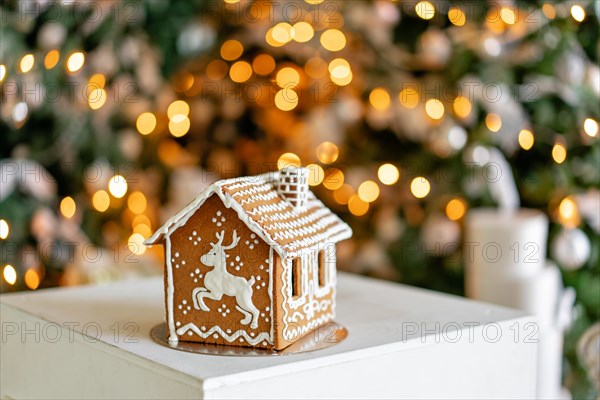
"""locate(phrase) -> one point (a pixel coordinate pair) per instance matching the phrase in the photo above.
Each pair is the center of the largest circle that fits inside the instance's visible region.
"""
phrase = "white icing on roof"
(255, 199)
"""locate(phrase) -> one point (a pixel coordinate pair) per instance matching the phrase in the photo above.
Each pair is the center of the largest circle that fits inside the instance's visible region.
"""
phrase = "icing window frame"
(321, 260)
(296, 278)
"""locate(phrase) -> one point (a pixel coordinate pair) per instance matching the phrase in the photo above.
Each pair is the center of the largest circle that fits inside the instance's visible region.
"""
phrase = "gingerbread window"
(296, 277)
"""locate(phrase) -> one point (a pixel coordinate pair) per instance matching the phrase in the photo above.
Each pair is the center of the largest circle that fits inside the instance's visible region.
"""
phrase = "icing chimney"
(293, 186)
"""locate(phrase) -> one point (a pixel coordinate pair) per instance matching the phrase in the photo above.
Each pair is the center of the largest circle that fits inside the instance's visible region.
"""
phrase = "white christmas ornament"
(571, 248)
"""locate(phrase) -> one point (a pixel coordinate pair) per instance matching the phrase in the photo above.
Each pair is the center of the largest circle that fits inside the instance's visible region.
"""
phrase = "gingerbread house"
(251, 262)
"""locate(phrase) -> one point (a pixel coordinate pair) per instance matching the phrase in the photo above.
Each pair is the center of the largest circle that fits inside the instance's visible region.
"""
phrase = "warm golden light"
(379, 98)
(136, 244)
(240, 72)
(339, 68)
(568, 213)
(549, 11)
(341, 76)
(303, 32)
(327, 152)
(216, 69)
(143, 230)
(314, 2)
(75, 61)
(26, 63)
(508, 15)
(286, 99)
(420, 187)
(455, 209)
(68, 207)
(2, 72)
(368, 191)
(117, 186)
(10, 274)
(97, 81)
(316, 67)
(97, 99)
(146, 123)
(263, 64)
(288, 160)
(178, 107)
(357, 206)
(462, 106)
(388, 174)
(408, 98)
(559, 153)
(590, 127)
(343, 194)
(101, 200)
(457, 16)
(282, 32)
(526, 139)
(334, 179)
(493, 122)
(137, 202)
(425, 10)
(270, 39)
(287, 77)
(4, 229)
(51, 59)
(32, 279)
(179, 125)
(434, 108)
(316, 174)
(333, 40)
(231, 50)
(578, 13)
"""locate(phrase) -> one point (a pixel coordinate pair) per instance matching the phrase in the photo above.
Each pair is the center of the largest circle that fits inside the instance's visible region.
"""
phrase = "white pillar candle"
(505, 243)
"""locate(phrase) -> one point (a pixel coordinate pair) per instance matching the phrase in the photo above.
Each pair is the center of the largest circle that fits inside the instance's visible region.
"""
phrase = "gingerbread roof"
(286, 228)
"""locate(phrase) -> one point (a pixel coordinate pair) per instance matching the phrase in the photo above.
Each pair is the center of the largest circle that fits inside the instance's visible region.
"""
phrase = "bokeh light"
(97, 81)
(590, 127)
(179, 125)
(231, 50)
(101, 200)
(26, 63)
(137, 202)
(462, 107)
(493, 122)
(315, 67)
(357, 206)
(117, 186)
(263, 64)
(240, 72)
(408, 98)
(327, 152)
(10, 274)
(578, 13)
(97, 98)
(288, 160)
(32, 279)
(333, 40)
(216, 69)
(282, 32)
(388, 174)
(456, 16)
(526, 139)
(146, 123)
(425, 10)
(2, 72)
(75, 61)
(334, 179)
(434, 108)
(68, 207)
(455, 209)
(135, 243)
(51, 59)
(420, 187)
(559, 153)
(303, 32)
(4, 229)
(379, 98)
(316, 174)
(287, 77)
(343, 194)
(178, 107)
(568, 213)
(286, 99)
(368, 191)
(508, 15)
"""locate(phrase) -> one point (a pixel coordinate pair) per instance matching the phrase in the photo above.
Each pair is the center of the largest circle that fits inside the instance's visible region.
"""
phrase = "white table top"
(373, 311)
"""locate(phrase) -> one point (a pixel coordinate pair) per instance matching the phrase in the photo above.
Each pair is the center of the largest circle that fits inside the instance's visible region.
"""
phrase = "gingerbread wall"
(246, 265)
(315, 304)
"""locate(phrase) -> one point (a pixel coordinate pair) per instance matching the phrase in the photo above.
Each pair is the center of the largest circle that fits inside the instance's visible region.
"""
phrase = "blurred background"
(116, 114)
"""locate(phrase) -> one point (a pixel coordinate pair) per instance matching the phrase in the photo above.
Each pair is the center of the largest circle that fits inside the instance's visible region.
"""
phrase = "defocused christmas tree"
(110, 109)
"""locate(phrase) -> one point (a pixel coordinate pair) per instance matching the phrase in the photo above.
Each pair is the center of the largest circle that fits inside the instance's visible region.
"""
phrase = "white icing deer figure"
(219, 282)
